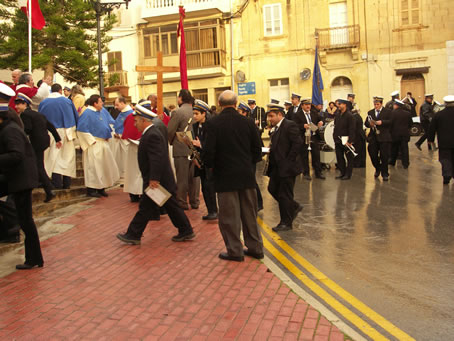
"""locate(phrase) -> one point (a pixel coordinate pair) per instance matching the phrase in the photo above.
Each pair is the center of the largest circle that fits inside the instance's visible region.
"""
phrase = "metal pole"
(29, 36)
(98, 33)
(231, 47)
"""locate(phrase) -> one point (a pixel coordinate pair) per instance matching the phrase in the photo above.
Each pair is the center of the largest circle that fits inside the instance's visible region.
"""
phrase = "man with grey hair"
(27, 87)
(231, 149)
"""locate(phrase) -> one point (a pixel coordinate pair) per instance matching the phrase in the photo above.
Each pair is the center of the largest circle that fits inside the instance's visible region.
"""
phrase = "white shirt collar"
(127, 108)
(278, 125)
(55, 95)
(92, 108)
(145, 130)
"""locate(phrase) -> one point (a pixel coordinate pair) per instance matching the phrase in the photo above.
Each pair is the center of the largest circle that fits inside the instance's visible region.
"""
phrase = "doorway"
(340, 88)
(415, 84)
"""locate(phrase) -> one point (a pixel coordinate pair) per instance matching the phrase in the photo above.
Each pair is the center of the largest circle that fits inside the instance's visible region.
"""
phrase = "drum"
(328, 135)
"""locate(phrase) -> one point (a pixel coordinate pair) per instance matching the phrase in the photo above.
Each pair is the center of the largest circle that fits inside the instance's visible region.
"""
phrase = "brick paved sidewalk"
(93, 286)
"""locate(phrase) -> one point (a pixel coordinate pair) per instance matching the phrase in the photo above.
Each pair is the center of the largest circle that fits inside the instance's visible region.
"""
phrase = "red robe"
(130, 131)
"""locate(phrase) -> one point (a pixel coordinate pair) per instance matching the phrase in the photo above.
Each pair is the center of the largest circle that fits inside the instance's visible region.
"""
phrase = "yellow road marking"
(364, 309)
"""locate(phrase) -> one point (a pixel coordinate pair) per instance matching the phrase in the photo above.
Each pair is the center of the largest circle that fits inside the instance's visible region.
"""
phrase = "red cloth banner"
(38, 21)
(183, 63)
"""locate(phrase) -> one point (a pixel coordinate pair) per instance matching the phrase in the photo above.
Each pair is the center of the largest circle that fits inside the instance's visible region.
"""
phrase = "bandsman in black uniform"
(379, 120)
(258, 115)
(283, 165)
(287, 105)
(344, 126)
(426, 114)
(443, 126)
(296, 106)
(307, 122)
(400, 133)
(360, 141)
(390, 104)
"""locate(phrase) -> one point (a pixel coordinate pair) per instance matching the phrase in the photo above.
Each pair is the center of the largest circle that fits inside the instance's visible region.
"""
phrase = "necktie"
(308, 117)
(295, 109)
(378, 113)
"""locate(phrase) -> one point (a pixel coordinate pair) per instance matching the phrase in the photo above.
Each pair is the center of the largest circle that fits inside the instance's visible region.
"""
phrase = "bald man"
(15, 74)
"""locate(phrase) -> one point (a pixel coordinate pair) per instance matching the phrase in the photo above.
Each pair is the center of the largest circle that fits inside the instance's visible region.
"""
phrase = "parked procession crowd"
(43, 126)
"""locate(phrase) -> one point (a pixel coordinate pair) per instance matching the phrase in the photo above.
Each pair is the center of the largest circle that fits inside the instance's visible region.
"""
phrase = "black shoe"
(377, 174)
(419, 147)
(307, 177)
(391, 163)
(27, 266)
(446, 180)
(49, 197)
(66, 187)
(226, 256)
(405, 167)
(340, 176)
(103, 192)
(92, 193)
(195, 207)
(127, 239)
(134, 197)
(346, 177)
(11, 240)
(183, 237)
(320, 176)
(282, 227)
(253, 254)
(210, 216)
(297, 211)
(162, 211)
(385, 178)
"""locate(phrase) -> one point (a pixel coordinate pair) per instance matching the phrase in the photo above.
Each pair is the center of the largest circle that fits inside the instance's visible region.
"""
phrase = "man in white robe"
(94, 132)
(119, 145)
(60, 162)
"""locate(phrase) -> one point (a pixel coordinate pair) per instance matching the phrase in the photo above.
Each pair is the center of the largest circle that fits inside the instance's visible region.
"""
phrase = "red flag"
(38, 21)
(183, 64)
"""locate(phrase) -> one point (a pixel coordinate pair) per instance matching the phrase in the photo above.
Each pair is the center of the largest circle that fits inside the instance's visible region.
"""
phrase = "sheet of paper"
(159, 195)
(416, 119)
(265, 150)
(313, 127)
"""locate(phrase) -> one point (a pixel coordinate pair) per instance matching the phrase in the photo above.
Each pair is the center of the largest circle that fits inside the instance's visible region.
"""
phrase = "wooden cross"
(159, 69)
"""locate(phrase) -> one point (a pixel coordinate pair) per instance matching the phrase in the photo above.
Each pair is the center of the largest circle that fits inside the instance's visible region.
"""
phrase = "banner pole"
(30, 36)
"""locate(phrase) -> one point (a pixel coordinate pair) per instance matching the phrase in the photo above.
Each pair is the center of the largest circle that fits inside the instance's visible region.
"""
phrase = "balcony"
(338, 37)
(159, 8)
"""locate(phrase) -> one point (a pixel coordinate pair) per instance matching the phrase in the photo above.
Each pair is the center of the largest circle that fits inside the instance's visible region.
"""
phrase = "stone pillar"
(450, 63)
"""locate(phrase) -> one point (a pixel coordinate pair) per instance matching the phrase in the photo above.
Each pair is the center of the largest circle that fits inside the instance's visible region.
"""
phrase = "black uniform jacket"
(300, 119)
(154, 162)
(233, 146)
(426, 112)
(285, 149)
(443, 125)
(384, 129)
(402, 121)
(360, 134)
(259, 114)
(344, 125)
(17, 158)
(36, 126)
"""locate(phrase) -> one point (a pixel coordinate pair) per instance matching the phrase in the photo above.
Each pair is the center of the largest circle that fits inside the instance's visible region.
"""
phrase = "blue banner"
(317, 82)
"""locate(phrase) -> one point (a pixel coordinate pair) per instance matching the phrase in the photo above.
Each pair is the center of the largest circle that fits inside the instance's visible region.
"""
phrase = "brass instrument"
(374, 128)
(307, 136)
(195, 155)
(350, 148)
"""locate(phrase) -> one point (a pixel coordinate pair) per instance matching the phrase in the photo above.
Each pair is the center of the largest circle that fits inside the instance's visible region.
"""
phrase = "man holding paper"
(154, 164)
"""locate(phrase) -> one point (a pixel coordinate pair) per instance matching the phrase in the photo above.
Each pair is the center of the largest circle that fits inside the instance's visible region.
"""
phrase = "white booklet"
(159, 195)
(265, 150)
(136, 142)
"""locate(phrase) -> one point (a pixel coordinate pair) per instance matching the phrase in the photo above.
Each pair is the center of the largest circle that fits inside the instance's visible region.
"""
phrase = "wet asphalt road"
(391, 245)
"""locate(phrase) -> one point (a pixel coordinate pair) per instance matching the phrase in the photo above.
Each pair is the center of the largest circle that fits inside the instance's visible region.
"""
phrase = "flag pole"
(30, 36)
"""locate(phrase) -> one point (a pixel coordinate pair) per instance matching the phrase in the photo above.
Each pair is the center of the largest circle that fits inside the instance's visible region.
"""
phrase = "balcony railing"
(206, 58)
(165, 7)
(116, 78)
(338, 37)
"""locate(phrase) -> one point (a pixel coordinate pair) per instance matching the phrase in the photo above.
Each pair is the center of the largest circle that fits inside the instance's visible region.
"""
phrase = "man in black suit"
(379, 120)
(426, 114)
(258, 115)
(443, 126)
(232, 147)
(154, 164)
(304, 118)
(296, 106)
(18, 166)
(284, 165)
(400, 133)
(36, 127)
(344, 126)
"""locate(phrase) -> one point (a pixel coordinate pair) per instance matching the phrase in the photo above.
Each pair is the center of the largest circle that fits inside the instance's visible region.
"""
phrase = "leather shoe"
(134, 197)
(446, 180)
(103, 192)
(183, 237)
(226, 256)
(297, 211)
(127, 239)
(320, 176)
(419, 147)
(92, 193)
(195, 207)
(377, 174)
(282, 227)
(27, 266)
(11, 239)
(346, 177)
(307, 177)
(253, 254)
(210, 216)
(49, 197)
(385, 178)
(340, 176)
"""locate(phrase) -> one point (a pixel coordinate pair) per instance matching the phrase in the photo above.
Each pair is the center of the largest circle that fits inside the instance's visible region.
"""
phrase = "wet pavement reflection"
(390, 244)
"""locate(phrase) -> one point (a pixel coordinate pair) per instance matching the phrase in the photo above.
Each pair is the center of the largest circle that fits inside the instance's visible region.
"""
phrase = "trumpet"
(195, 155)
(307, 136)
(374, 128)
(350, 148)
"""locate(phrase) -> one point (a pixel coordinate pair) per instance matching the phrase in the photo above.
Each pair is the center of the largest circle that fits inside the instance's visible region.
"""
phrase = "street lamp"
(102, 7)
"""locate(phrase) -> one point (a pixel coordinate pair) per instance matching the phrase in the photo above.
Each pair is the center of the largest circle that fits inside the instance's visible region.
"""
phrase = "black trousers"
(425, 125)
(446, 158)
(402, 145)
(257, 189)
(61, 181)
(281, 190)
(209, 194)
(315, 156)
(360, 160)
(148, 210)
(379, 153)
(8, 219)
(342, 152)
(43, 178)
(23, 202)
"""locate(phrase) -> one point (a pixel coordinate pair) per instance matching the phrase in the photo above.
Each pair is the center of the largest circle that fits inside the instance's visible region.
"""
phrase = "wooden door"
(416, 85)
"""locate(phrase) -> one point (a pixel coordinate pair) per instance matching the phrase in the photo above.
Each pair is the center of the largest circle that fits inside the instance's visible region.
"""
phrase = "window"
(409, 12)
(162, 38)
(114, 61)
(201, 94)
(272, 20)
(205, 44)
(279, 89)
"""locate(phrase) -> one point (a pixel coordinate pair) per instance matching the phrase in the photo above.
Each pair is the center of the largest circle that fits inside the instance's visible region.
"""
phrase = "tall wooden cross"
(159, 69)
